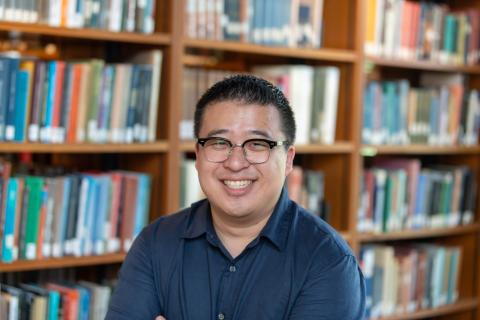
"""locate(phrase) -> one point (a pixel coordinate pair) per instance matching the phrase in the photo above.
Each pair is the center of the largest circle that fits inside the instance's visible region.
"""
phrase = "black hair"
(248, 89)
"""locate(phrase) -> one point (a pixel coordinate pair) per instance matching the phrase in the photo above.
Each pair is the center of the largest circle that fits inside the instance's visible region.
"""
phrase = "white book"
(301, 85)
(379, 27)
(2, 9)
(55, 13)
(192, 191)
(191, 28)
(389, 29)
(329, 124)
(317, 23)
(116, 13)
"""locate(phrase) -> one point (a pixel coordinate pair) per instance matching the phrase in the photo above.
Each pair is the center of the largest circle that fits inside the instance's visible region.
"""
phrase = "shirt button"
(221, 316)
(233, 269)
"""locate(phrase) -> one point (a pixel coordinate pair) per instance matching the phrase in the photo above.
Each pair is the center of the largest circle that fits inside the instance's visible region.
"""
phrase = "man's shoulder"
(169, 227)
(312, 234)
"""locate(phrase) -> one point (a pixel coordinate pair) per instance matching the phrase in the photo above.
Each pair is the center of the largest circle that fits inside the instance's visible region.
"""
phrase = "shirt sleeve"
(135, 296)
(331, 293)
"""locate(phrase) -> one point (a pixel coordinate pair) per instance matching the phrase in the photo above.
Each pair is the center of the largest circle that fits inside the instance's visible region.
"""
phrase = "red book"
(129, 201)
(73, 119)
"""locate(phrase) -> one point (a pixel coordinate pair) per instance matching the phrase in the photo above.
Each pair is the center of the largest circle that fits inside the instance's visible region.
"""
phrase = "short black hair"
(248, 89)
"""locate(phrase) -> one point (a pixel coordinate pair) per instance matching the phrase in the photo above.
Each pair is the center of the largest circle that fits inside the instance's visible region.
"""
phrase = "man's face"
(237, 189)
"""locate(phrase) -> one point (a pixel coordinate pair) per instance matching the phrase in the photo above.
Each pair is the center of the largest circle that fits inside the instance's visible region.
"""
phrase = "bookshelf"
(342, 162)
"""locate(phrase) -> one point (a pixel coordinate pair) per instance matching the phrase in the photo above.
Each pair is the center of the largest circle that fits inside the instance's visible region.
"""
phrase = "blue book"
(133, 101)
(388, 109)
(368, 264)
(53, 304)
(10, 115)
(4, 93)
(47, 111)
(21, 106)
(368, 101)
(8, 246)
(83, 302)
(89, 222)
(143, 201)
(106, 99)
(418, 212)
(380, 183)
(99, 237)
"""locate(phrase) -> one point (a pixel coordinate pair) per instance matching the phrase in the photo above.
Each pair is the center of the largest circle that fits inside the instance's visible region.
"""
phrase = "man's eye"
(257, 145)
(218, 144)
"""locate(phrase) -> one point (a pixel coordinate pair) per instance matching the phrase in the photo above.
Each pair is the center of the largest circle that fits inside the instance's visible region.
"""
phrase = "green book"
(33, 186)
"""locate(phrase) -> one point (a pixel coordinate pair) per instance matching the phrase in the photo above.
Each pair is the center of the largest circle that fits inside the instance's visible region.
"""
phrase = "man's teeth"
(237, 184)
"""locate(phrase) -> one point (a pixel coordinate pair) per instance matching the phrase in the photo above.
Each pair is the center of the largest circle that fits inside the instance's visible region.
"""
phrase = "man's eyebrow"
(253, 132)
(261, 133)
(216, 132)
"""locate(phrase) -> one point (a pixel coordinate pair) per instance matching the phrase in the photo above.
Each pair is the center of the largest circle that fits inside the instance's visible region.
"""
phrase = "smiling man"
(247, 251)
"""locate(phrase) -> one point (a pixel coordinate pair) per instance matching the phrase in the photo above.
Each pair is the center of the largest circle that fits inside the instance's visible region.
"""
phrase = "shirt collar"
(276, 229)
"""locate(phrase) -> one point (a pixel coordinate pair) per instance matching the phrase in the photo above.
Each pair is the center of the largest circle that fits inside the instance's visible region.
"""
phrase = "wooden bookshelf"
(159, 39)
(255, 49)
(419, 234)
(344, 24)
(461, 306)
(66, 262)
(155, 147)
(422, 65)
(418, 150)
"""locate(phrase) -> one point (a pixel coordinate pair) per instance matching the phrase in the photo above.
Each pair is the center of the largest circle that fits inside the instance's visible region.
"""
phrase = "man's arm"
(334, 292)
(135, 296)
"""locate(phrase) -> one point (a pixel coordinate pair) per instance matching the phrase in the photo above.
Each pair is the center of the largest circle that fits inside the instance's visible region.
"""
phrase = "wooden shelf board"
(28, 265)
(340, 147)
(90, 34)
(422, 65)
(462, 305)
(306, 53)
(417, 234)
(154, 147)
(372, 150)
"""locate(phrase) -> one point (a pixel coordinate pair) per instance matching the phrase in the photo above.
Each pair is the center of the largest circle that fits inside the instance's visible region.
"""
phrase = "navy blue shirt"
(297, 268)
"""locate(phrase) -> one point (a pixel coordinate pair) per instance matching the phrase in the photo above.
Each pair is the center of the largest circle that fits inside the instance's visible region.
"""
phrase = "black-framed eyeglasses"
(255, 150)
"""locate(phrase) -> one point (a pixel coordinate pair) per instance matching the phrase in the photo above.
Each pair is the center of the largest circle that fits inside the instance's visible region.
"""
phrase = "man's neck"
(236, 235)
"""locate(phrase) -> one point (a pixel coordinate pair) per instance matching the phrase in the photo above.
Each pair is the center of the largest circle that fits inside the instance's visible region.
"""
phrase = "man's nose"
(236, 159)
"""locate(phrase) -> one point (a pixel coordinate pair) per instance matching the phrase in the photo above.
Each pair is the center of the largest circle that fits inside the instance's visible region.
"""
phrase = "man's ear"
(289, 160)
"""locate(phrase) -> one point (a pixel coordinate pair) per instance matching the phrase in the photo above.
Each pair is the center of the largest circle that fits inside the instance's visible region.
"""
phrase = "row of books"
(195, 82)
(112, 15)
(54, 301)
(404, 279)
(79, 101)
(435, 114)
(422, 31)
(397, 194)
(311, 91)
(76, 214)
(268, 22)
(313, 95)
(190, 189)
(306, 187)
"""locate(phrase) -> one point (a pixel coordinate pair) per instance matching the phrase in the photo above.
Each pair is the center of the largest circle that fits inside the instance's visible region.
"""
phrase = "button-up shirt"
(297, 268)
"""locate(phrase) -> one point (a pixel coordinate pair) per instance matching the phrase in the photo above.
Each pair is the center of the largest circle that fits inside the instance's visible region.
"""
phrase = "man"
(247, 252)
